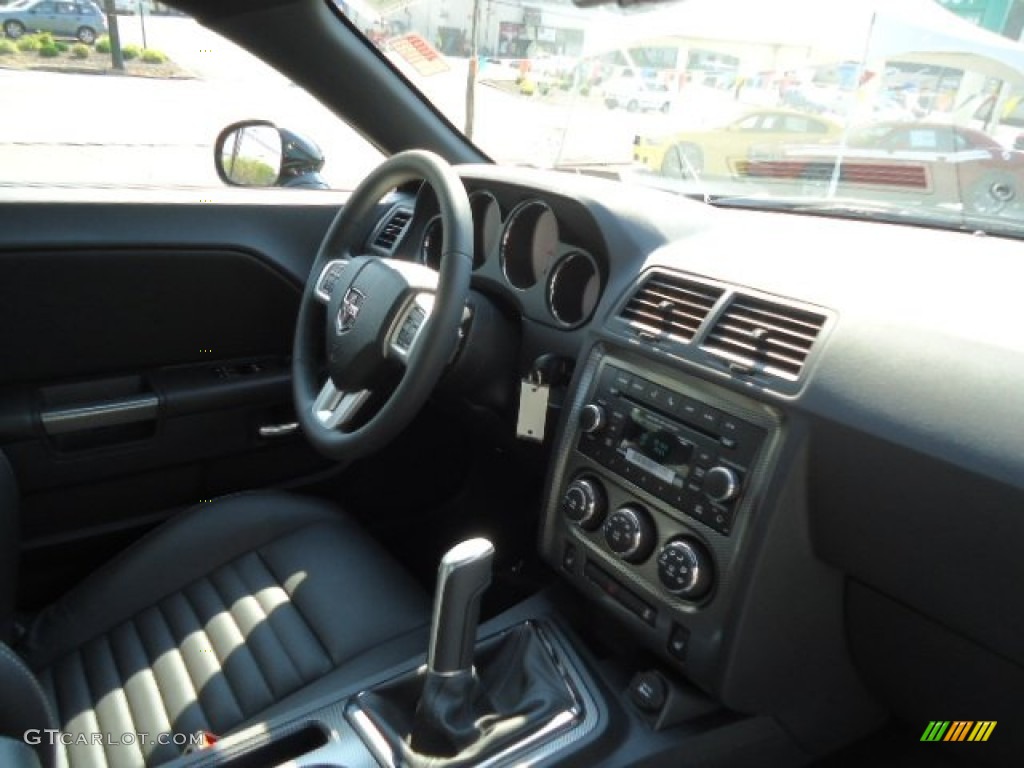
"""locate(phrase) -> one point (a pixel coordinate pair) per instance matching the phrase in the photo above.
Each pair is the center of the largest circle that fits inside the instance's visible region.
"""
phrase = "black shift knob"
(464, 574)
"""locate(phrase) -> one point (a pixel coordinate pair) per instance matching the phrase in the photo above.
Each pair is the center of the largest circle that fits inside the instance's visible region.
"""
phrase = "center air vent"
(393, 229)
(670, 306)
(761, 337)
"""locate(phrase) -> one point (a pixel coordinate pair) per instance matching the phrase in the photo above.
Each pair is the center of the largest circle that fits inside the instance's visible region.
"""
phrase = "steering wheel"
(384, 317)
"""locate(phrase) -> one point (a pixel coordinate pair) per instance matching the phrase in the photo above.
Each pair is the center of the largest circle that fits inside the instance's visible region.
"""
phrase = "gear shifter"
(464, 574)
(447, 715)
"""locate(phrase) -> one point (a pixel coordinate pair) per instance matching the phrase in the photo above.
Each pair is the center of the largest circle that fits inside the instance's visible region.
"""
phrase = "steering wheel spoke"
(327, 279)
(407, 328)
(335, 409)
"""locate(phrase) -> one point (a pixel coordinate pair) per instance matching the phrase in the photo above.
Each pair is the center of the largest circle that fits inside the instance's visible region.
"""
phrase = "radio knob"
(684, 568)
(629, 532)
(721, 484)
(592, 418)
(584, 502)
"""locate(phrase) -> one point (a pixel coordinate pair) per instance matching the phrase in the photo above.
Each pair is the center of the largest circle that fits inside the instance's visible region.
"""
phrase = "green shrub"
(103, 44)
(61, 47)
(7, 47)
(80, 51)
(29, 43)
(45, 39)
(151, 56)
(250, 172)
(130, 52)
(49, 52)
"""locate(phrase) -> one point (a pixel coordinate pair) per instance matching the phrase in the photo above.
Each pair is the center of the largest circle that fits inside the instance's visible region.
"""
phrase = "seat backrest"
(10, 546)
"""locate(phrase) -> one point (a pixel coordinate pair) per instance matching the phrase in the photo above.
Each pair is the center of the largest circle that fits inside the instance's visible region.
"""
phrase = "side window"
(748, 123)
(156, 125)
(44, 8)
(67, 9)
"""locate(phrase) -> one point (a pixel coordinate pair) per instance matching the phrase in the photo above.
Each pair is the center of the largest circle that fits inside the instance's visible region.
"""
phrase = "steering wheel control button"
(584, 502)
(329, 278)
(629, 532)
(721, 484)
(410, 327)
(684, 568)
(592, 418)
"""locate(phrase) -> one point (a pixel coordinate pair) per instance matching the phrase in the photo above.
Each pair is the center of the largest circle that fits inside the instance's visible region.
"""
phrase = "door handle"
(279, 430)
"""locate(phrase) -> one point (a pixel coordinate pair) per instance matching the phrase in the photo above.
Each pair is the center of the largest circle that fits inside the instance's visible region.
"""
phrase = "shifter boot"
(463, 719)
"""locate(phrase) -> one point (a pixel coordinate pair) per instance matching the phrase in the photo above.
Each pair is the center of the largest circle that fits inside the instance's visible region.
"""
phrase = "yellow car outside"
(715, 151)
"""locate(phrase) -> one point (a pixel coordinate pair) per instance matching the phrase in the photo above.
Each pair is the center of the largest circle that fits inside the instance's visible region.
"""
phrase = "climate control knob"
(629, 532)
(592, 418)
(584, 502)
(684, 568)
(721, 484)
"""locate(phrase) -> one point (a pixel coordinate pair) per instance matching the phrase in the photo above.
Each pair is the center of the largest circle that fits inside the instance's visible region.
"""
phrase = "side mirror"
(249, 154)
(256, 153)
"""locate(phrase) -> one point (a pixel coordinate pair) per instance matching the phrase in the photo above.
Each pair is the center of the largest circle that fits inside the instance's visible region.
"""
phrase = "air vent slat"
(670, 306)
(767, 339)
(393, 229)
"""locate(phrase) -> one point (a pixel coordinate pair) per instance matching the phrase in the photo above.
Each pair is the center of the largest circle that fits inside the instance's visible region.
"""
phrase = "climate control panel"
(654, 494)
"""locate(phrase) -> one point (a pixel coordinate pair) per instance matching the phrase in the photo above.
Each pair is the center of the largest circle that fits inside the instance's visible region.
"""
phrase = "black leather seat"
(228, 614)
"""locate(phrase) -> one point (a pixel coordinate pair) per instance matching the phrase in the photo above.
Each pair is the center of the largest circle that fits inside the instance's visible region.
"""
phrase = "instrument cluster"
(523, 246)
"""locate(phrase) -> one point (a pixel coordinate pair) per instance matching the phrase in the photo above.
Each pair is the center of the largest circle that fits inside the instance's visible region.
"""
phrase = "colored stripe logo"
(958, 730)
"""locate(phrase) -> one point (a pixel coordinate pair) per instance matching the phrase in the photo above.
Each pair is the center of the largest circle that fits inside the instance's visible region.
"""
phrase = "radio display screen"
(655, 447)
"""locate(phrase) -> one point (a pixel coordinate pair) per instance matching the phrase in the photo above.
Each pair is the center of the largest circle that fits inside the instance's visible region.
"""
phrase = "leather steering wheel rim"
(439, 334)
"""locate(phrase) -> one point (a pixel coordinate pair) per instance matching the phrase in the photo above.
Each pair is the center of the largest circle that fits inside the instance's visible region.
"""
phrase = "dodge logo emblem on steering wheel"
(349, 311)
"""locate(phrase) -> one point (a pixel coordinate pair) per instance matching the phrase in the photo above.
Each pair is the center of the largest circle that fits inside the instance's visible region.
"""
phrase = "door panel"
(142, 349)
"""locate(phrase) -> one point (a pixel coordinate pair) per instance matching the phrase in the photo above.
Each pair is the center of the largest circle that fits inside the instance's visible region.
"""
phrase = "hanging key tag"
(533, 408)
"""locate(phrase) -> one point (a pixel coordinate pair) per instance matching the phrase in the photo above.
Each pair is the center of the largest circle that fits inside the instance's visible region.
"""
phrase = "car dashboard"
(786, 462)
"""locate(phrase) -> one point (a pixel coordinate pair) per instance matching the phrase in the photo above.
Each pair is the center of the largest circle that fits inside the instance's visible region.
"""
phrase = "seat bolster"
(173, 555)
(24, 707)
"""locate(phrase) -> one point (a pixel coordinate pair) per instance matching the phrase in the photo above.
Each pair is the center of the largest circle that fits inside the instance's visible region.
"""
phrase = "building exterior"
(1005, 17)
(506, 28)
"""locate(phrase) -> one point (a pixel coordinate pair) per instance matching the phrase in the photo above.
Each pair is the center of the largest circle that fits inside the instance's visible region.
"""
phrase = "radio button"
(709, 417)
(705, 458)
(721, 520)
(721, 484)
(592, 418)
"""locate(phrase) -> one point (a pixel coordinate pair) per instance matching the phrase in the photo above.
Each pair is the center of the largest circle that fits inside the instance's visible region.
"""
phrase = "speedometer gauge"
(530, 245)
(544, 249)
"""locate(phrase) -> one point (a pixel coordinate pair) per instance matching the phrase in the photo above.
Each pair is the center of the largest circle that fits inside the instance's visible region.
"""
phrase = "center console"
(656, 482)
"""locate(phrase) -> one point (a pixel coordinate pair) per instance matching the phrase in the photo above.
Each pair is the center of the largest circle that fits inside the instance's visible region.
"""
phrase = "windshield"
(910, 106)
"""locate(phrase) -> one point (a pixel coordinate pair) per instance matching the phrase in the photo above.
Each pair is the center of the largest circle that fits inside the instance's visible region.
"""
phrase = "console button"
(684, 568)
(678, 642)
(569, 558)
(648, 691)
(584, 502)
(629, 532)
